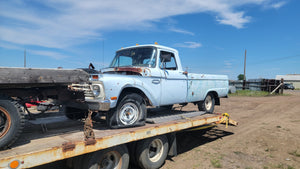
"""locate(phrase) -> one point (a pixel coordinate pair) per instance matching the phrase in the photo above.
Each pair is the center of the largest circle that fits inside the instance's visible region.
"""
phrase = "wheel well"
(215, 95)
(135, 90)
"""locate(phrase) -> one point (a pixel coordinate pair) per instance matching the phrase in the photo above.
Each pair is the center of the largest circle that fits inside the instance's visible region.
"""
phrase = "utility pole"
(24, 58)
(103, 53)
(244, 81)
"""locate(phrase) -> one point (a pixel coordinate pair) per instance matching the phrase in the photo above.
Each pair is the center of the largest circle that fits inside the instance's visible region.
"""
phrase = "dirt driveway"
(268, 136)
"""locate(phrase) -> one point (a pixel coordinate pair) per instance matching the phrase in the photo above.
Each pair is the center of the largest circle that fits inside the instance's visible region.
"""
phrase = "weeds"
(252, 93)
(249, 93)
(237, 152)
(216, 163)
(295, 153)
(284, 166)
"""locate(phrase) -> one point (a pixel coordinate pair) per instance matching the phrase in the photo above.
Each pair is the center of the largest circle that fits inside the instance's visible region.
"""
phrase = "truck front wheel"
(131, 111)
(11, 121)
(152, 152)
(208, 104)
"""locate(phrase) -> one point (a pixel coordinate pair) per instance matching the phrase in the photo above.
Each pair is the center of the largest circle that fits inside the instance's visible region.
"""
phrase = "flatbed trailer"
(68, 142)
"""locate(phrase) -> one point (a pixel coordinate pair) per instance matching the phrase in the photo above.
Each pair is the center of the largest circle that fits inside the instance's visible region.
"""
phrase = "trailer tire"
(208, 105)
(152, 152)
(131, 111)
(12, 121)
(114, 157)
(73, 113)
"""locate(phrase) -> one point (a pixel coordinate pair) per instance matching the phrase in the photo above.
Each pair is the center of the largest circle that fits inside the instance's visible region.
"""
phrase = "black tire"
(208, 105)
(74, 113)
(151, 153)
(114, 157)
(130, 111)
(78, 162)
(12, 121)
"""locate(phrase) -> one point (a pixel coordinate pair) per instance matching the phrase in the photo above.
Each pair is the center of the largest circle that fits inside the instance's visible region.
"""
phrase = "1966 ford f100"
(148, 75)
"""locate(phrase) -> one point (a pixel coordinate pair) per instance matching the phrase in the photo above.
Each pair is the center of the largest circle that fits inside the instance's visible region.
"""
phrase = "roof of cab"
(151, 45)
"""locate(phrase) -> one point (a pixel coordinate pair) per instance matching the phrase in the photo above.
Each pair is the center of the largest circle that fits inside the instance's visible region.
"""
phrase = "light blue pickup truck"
(149, 75)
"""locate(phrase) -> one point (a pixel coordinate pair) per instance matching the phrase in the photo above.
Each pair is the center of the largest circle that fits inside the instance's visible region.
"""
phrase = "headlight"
(96, 90)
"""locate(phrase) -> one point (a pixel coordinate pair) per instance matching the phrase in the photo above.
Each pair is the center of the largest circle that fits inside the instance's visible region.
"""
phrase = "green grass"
(249, 93)
(216, 163)
(252, 93)
(295, 153)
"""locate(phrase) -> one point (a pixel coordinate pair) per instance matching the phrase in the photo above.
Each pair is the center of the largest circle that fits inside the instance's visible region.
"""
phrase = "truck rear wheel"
(114, 157)
(208, 105)
(131, 111)
(11, 121)
(152, 152)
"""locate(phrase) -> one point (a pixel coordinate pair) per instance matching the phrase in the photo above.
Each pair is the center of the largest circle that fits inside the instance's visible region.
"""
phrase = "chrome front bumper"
(98, 105)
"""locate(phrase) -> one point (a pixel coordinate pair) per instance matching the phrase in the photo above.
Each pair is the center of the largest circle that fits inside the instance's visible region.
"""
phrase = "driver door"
(173, 81)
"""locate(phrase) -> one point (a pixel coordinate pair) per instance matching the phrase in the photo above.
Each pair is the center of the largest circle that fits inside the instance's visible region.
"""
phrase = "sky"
(211, 36)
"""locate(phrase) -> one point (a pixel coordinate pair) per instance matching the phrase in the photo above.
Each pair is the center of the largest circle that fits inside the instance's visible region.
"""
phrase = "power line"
(273, 59)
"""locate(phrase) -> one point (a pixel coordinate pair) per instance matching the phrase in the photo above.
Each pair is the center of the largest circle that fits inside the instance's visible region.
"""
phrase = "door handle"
(155, 81)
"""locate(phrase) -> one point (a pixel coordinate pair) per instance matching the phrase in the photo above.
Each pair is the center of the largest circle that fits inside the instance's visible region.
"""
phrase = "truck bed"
(22, 77)
(64, 138)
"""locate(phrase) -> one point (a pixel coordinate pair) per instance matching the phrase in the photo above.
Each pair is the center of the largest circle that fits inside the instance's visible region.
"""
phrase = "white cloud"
(182, 31)
(278, 4)
(65, 23)
(188, 45)
(227, 64)
(54, 55)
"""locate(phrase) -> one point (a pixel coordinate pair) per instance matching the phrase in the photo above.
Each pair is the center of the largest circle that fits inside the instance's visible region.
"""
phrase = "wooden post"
(244, 81)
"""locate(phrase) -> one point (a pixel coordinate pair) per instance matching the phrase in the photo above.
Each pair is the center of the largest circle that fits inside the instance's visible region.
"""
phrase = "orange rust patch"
(90, 141)
(128, 69)
(68, 146)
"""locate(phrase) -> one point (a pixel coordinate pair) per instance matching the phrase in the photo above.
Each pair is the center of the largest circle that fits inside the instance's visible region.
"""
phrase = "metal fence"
(256, 84)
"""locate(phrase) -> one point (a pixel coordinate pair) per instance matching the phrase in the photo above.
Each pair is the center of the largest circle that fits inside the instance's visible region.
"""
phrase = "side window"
(167, 61)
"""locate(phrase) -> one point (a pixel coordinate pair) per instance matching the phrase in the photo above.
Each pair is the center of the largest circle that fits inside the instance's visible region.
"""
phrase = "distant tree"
(240, 77)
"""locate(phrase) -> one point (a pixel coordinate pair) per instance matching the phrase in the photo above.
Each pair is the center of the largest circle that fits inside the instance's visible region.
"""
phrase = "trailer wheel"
(73, 113)
(131, 111)
(114, 157)
(12, 121)
(152, 152)
(208, 105)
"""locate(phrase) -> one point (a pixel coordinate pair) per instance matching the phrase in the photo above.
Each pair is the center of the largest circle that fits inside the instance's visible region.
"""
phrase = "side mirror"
(166, 57)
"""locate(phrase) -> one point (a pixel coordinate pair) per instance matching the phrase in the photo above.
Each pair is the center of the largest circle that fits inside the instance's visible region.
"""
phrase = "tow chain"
(88, 127)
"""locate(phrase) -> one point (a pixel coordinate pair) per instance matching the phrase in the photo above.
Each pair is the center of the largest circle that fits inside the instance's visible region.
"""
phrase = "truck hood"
(142, 71)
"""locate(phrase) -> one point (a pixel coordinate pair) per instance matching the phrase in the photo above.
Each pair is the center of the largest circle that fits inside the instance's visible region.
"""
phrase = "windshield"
(141, 57)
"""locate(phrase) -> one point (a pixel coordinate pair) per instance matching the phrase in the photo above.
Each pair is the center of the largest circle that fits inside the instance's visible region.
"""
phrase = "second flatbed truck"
(147, 146)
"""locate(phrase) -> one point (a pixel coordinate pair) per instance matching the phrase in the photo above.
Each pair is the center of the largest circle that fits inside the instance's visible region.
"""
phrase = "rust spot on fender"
(129, 69)
(68, 146)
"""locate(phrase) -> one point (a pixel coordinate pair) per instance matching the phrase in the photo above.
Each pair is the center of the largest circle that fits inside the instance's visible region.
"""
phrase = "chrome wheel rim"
(208, 102)
(156, 150)
(111, 160)
(129, 113)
